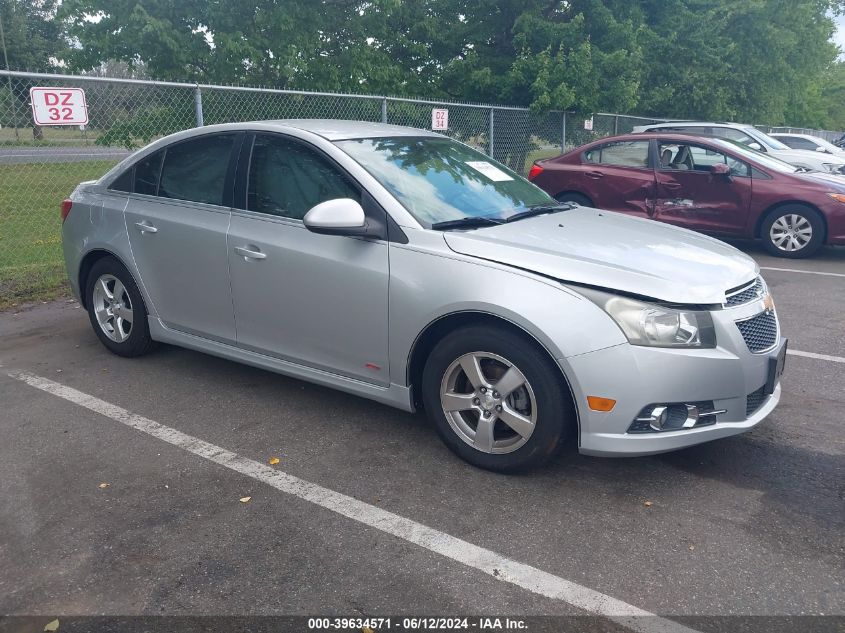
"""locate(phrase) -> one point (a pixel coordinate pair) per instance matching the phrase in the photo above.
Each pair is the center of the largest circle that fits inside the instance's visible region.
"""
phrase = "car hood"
(805, 157)
(831, 182)
(610, 250)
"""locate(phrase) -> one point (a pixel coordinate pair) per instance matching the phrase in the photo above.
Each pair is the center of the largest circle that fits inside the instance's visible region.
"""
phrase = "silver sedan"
(405, 267)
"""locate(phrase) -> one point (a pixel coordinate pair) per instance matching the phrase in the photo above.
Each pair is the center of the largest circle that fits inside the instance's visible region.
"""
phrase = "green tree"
(31, 40)
(33, 37)
(762, 61)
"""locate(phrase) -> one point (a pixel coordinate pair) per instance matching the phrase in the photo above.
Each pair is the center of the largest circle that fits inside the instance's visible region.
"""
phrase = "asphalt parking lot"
(750, 525)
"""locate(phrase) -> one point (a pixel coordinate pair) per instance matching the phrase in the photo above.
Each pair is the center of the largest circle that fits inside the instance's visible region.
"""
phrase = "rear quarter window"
(123, 182)
(620, 154)
(147, 171)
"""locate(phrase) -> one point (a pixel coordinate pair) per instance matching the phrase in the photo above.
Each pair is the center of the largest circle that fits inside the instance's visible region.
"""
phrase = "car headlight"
(654, 325)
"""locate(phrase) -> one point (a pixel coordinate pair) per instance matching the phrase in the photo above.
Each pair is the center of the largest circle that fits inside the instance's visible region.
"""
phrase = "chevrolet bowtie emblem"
(769, 303)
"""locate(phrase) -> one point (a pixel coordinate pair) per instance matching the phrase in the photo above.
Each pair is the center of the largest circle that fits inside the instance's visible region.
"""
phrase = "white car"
(755, 139)
(810, 143)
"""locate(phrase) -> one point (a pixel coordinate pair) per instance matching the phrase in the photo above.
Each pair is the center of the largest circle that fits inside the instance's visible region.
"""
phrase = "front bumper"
(637, 377)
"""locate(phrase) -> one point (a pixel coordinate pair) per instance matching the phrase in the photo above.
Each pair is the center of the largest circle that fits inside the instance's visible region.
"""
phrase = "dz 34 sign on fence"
(58, 106)
(439, 119)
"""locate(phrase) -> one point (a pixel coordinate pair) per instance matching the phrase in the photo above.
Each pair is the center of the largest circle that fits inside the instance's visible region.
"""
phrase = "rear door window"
(195, 170)
(796, 142)
(733, 135)
(620, 154)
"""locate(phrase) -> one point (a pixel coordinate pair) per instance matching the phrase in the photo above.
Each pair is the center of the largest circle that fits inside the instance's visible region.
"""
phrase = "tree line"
(756, 61)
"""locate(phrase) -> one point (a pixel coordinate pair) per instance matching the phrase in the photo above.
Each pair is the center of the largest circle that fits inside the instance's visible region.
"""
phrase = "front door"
(177, 223)
(317, 300)
(689, 195)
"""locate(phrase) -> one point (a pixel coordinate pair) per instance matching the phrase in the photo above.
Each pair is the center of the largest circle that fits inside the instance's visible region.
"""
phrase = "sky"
(839, 36)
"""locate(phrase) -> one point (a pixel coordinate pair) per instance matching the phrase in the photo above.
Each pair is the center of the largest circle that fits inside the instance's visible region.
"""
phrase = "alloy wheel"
(112, 308)
(791, 232)
(488, 402)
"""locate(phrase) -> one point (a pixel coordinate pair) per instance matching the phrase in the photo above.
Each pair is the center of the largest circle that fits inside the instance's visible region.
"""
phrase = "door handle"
(249, 254)
(146, 227)
(595, 175)
(671, 185)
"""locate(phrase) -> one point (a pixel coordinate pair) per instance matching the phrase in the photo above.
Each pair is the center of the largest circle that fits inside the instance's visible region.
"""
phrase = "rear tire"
(792, 231)
(116, 309)
(577, 198)
(520, 428)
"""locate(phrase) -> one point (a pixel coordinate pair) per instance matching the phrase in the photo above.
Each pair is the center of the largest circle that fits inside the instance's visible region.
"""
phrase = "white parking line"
(803, 272)
(832, 359)
(499, 567)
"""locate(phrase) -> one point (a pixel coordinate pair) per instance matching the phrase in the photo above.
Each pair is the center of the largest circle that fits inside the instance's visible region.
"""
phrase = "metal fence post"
(198, 105)
(490, 148)
(384, 109)
(616, 124)
(563, 133)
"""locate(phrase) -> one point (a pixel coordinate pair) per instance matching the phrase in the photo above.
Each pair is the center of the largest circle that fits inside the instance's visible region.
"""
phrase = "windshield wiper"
(541, 209)
(465, 223)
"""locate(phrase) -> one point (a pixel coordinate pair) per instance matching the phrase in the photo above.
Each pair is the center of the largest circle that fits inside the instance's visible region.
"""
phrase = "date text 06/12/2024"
(372, 624)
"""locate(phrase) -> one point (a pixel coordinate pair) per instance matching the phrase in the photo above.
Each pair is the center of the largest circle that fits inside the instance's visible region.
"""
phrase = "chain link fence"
(41, 165)
(827, 135)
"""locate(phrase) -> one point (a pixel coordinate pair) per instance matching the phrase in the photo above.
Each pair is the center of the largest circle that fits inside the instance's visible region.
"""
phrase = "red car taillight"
(65, 211)
(536, 170)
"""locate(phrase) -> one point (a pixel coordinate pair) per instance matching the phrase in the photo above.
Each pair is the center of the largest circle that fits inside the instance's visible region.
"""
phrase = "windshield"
(762, 159)
(440, 180)
(768, 141)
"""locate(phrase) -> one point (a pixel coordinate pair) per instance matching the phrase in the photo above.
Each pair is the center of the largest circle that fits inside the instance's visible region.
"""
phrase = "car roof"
(337, 129)
(680, 137)
(697, 124)
(794, 134)
(330, 129)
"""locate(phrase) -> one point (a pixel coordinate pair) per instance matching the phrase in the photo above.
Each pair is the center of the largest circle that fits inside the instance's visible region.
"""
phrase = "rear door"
(689, 195)
(177, 220)
(619, 176)
(316, 300)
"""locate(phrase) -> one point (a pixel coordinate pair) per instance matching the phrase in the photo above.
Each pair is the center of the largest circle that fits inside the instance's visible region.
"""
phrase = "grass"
(538, 154)
(31, 263)
(51, 136)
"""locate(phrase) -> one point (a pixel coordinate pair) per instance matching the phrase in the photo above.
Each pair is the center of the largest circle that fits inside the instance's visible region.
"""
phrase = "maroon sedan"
(706, 184)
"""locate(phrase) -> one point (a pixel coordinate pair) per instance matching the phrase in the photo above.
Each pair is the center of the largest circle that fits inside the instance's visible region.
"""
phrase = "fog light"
(670, 417)
(674, 417)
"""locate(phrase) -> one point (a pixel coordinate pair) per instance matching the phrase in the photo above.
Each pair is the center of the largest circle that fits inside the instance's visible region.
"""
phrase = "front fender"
(427, 286)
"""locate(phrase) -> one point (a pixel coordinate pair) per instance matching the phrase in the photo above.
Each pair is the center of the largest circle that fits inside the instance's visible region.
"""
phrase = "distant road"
(19, 155)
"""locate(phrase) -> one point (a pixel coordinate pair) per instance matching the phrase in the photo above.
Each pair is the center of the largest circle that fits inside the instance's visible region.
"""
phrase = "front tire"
(116, 309)
(496, 398)
(577, 198)
(792, 231)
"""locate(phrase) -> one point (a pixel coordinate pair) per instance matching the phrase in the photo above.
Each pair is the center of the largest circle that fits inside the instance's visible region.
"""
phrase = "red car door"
(618, 176)
(689, 194)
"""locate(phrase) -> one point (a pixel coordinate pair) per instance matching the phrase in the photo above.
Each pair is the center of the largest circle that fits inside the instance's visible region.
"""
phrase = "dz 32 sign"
(58, 106)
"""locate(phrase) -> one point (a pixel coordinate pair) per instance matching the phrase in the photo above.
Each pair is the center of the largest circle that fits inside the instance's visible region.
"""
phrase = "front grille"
(745, 294)
(760, 332)
(753, 401)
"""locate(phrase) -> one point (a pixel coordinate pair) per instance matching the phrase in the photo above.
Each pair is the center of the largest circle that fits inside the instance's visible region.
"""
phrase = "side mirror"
(341, 216)
(756, 146)
(721, 170)
(823, 150)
